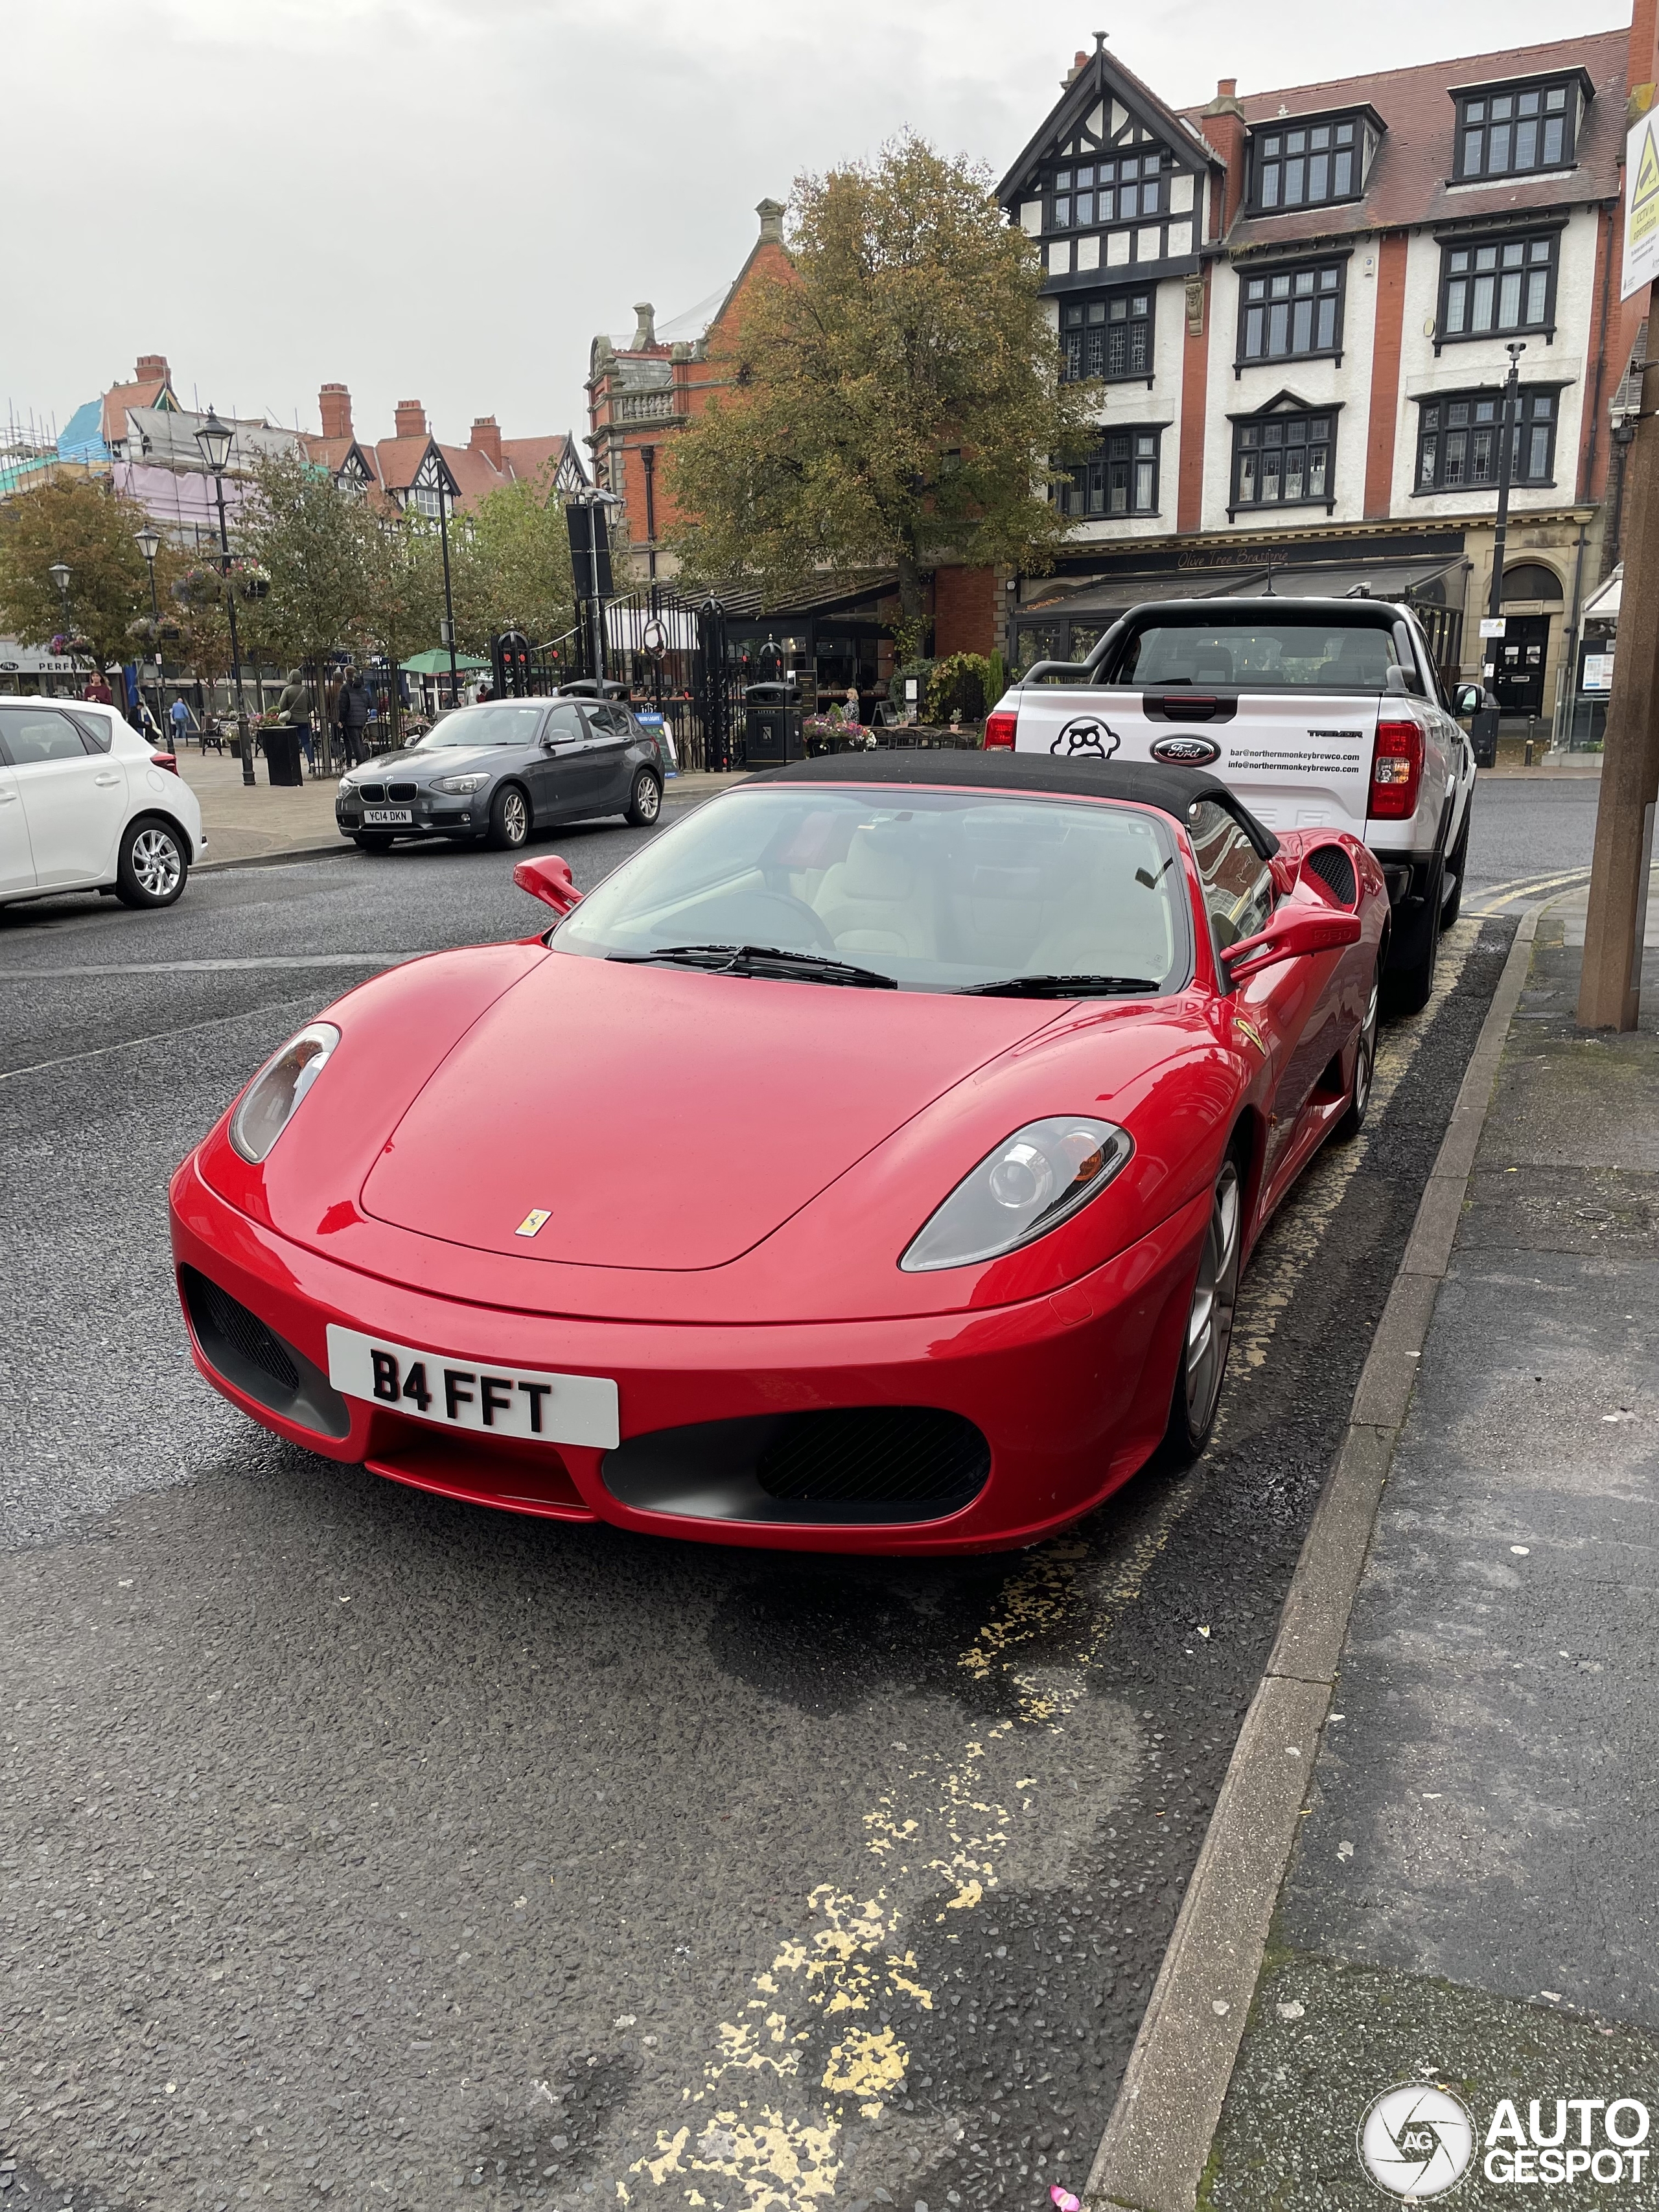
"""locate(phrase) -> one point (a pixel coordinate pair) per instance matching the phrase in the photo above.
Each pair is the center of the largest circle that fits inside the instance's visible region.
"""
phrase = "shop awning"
(1603, 605)
(436, 663)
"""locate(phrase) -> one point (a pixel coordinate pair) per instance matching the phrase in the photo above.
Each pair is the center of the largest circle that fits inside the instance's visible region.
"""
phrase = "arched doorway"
(1523, 649)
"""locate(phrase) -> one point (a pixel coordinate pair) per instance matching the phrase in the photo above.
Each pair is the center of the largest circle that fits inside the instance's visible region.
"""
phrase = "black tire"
(372, 841)
(1457, 866)
(645, 800)
(154, 863)
(509, 819)
(1208, 1334)
(1410, 978)
(1365, 1068)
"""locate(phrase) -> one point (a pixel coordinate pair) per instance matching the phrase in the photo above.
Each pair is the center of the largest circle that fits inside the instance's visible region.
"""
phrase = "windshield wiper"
(1060, 987)
(762, 959)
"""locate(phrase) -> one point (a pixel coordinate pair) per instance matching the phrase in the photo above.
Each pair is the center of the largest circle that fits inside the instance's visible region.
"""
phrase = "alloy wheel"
(515, 818)
(648, 798)
(1365, 1067)
(156, 863)
(1210, 1318)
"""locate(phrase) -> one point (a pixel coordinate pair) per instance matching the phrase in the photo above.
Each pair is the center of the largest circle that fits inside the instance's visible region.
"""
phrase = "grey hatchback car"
(491, 773)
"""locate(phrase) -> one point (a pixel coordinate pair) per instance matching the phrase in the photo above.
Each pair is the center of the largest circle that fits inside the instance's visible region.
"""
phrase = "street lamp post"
(60, 575)
(149, 544)
(433, 476)
(1484, 729)
(214, 441)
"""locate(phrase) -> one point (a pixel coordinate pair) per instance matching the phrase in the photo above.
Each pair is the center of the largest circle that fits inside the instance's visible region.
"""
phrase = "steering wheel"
(767, 918)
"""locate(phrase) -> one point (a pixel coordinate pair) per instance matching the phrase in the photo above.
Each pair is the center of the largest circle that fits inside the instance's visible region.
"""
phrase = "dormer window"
(1504, 134)
(1312, 163)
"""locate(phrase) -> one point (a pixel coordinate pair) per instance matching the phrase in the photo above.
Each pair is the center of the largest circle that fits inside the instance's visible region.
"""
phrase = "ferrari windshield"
(932, 890)
(496, 722)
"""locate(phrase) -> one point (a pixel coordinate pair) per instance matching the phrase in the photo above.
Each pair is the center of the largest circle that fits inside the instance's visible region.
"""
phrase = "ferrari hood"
(659, 1118)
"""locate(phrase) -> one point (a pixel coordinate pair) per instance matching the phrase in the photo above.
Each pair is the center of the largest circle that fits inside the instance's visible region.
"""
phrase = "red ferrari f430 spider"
(867, 1165)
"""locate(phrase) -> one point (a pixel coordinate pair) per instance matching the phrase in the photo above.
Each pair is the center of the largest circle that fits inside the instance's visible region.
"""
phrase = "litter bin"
(772, 724)
(282, 755)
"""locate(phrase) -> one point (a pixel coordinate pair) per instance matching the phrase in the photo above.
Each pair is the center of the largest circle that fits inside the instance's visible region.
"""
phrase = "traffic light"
(510, 656)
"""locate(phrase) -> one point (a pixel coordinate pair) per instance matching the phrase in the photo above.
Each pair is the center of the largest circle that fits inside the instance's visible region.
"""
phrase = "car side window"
(564, 725)
(95, 731)
(35, 734)
(1238, 884)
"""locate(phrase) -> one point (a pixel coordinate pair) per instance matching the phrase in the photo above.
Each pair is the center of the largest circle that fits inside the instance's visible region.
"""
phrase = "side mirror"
(1469, 698)
(549, 880)
(1292, 932)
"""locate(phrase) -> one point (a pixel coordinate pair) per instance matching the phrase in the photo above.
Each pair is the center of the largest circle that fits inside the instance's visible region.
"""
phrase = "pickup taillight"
(1396, 771)
(999, 729)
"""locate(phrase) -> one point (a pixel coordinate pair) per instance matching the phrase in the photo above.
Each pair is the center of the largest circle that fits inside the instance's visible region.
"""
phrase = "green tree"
(404, 597)
(510, 566)
(895, 401)
(89, 526)
(315, 542)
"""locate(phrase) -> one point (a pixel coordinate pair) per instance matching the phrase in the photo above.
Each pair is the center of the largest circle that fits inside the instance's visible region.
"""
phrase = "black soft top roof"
(1173, 791)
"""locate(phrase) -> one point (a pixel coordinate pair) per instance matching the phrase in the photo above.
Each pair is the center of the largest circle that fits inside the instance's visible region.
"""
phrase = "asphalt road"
(362, 1848)
(1527, 831)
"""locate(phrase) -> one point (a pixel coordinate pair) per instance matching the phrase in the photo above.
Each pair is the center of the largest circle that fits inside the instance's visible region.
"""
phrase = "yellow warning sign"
(1641, 207)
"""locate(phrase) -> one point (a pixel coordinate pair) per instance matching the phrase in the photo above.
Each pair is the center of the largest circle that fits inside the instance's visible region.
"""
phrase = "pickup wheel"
(1410, 978)
(1457, 866)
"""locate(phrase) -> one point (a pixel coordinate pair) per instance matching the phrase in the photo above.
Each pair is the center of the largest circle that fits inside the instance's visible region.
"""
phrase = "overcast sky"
(445, 199)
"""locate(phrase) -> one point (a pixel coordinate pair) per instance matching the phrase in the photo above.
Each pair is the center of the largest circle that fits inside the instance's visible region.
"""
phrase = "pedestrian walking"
(354, 711)
(180, 717)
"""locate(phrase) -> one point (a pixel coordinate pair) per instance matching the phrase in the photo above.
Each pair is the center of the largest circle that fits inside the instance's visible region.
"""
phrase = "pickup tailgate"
(1298, 762)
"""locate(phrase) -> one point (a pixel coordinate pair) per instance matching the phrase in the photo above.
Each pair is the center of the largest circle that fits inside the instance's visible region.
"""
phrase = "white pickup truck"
(1320, 713)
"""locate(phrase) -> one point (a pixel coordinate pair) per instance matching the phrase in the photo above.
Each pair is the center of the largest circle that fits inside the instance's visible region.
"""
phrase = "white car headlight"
(1034, 1181)
(459, 783)
(272, 1100)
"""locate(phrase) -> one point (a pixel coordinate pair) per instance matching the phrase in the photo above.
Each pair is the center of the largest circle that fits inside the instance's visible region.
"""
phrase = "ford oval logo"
(1186, 752)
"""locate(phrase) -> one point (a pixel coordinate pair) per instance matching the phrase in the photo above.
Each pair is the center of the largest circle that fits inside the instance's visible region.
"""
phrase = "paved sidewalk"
(1474, 1898)
(266, 821)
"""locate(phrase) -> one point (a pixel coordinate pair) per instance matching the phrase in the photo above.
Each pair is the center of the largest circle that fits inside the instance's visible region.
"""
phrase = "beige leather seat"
(877, 899)
(1113, 925)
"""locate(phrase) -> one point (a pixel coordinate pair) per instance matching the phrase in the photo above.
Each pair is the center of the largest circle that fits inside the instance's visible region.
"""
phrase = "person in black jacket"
(354, 717)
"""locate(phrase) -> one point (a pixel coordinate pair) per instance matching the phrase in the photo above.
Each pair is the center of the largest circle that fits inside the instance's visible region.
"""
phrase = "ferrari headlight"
(459, 783)
(1033, 1182)
(271, 1100)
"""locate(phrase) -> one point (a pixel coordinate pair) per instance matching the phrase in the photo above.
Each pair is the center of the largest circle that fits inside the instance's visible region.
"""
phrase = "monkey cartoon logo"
(1086, 737)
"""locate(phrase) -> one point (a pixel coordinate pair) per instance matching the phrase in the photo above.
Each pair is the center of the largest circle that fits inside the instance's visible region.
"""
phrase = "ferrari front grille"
(886, 1454)
(1334, 867)
(873, 1464)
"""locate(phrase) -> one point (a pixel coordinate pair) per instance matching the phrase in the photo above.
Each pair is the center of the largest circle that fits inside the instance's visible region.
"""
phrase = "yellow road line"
(1529, 891)
(754, 2119)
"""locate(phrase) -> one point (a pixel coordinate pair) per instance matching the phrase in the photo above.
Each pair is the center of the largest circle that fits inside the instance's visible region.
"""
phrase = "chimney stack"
(645, 326)
(152, 368)
(409, 418)
(1223, 126)
(1227, 88)
(771, 214)
(1080, 63)
(334, 405)
(486, 439)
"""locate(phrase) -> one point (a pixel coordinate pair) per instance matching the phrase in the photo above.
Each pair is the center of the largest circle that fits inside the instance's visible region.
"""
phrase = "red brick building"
(486, 463)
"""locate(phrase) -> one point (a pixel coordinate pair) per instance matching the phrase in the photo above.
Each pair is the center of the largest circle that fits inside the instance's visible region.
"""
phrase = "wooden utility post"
(1610, 983)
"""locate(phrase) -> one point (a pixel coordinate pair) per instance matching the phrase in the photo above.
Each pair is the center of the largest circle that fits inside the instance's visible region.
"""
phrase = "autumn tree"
(317, 544)
(404, 598)
(893, 402)
(89, 526)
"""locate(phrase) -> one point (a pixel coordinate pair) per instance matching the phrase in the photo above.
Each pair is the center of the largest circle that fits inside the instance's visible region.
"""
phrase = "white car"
(85, 804)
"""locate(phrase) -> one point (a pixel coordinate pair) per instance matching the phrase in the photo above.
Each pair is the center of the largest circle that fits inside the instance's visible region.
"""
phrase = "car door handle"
(107, 778)
(8, 798)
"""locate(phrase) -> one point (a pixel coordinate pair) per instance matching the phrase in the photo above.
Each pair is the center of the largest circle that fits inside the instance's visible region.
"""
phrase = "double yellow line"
(1499, 896)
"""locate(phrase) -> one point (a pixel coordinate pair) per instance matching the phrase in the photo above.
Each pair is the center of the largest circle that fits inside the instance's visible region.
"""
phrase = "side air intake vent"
(1334, 868)
(263, 1365)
